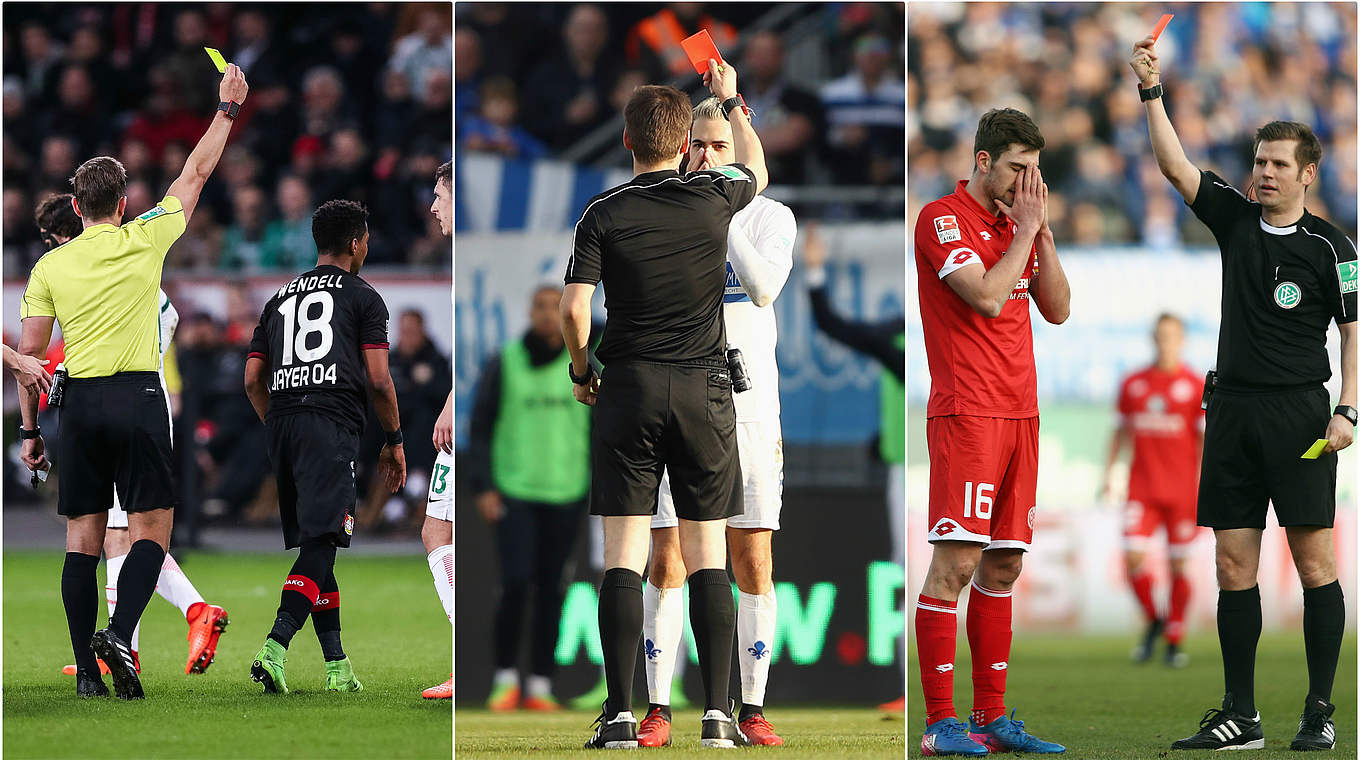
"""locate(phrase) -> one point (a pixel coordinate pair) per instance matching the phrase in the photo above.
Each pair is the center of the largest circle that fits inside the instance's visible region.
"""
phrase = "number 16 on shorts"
(981, 505)
(983, 478)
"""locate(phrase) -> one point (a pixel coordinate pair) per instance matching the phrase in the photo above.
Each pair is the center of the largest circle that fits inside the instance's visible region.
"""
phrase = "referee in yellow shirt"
(103, 287)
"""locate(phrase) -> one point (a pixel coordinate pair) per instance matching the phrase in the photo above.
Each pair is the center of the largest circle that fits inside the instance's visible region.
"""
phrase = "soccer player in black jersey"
(321, 343)
(1286, 276)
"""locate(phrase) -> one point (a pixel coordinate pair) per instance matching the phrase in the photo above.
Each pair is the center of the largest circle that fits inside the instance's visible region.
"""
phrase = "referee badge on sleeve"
(1346, 273)
(947, 229)
(152, 214)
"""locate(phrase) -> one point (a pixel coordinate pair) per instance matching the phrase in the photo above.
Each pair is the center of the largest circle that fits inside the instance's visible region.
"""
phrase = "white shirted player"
(760, 257)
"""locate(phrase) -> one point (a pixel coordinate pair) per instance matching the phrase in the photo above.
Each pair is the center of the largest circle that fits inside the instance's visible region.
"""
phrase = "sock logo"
(998, 666)
(759, 651)
(649, 648)
(945, 668)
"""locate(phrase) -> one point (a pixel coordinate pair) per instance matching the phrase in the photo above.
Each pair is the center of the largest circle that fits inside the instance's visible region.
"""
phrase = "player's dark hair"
(1000, 128)
(55, 218)
(335, 224)
(657, 119)
(444, 174)
(99, 183)
(1307, 148)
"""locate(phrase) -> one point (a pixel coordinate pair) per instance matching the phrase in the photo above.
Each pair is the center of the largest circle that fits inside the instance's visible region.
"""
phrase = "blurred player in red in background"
(981, 253)
(1160, 417)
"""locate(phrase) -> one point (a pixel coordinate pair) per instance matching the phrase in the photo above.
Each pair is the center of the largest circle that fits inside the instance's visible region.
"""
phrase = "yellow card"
(1314, 450)
(217, 59)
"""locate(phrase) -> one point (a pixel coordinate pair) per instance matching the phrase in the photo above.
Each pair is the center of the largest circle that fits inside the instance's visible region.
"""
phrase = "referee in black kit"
(103, 287)
(1286, 275)
(659, 245)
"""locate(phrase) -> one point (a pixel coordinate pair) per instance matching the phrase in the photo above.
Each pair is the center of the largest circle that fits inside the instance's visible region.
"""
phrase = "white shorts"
(441, 489)
(117, 515)
(760, 449)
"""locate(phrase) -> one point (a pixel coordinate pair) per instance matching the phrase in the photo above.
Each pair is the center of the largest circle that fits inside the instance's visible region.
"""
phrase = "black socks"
(1239, 629)
(302, 589)
(136, 586)
(80, 596)
(326, 620)
(1324, 622)
(620, 635)
(714, 619)
(749, 710)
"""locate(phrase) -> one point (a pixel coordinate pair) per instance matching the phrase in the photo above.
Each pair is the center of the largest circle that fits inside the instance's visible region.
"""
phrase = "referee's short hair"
(444, 174)
(99, 183)
(1307, 148)
(657, 119)
(56, 218)
(1000, 128)
(336, 223)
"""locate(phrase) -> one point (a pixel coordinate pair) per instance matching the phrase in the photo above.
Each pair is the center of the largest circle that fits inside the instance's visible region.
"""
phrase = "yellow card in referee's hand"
(217, 59)
(1314, 450)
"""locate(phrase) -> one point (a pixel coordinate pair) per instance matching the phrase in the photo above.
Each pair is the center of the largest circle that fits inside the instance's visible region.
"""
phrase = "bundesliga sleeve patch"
(152, 214)
(947, 229)
(730, 172)
(1346, 273)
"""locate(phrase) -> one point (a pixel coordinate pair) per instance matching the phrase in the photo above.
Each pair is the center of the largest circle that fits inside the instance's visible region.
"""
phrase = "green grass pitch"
(828, 732)
(394, 632)
(1085, 693)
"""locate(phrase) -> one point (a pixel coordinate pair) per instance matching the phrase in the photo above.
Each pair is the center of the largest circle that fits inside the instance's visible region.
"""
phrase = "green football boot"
(268, 667)
(340, 677)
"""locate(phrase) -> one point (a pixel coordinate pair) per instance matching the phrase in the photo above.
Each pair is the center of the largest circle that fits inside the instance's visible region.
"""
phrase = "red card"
(699, 47)
(1166, 19)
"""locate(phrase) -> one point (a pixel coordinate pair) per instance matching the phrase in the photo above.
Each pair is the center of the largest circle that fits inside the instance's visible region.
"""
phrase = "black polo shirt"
(1281, 288)
(658, 243)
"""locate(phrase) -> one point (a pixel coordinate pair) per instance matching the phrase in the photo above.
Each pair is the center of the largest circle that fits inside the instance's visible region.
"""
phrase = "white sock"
(755, 636)
(113, 566)
(663, 621)
(505, 676)
(175, 587)
(538, 686)
(441, 567)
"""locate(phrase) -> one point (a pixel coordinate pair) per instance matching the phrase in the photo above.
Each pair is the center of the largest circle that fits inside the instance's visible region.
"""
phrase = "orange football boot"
(897, 705)
(760, 732)
(654, 730)
(541, 704)
(442, 691)
(206, 624)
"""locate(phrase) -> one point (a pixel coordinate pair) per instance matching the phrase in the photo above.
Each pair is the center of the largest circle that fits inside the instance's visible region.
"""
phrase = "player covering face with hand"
(982, 254)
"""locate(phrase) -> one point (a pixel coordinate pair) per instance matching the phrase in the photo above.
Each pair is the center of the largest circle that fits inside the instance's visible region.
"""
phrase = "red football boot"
(206, 624)
(760, 732)
(654, 730)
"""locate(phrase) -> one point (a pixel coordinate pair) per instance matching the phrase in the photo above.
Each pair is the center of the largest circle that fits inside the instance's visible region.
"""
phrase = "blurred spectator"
(243, 241)
(494, 129)
(77, 110)
(423, 378)
(654, 43)
(323, 102)
(467, 71)
(570, 91)
(787, 117)
(392, 121)
(288, 241)
(510, 41)
(864, 114)
(344, 172)
(58, 164)
(194, 75)
(41, 56)
(255, 51)
(165, 119)
(424, 51)
(623, 89)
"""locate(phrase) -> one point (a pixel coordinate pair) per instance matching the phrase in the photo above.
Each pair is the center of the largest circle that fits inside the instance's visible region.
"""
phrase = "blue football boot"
(948, 736)
(1008, 735)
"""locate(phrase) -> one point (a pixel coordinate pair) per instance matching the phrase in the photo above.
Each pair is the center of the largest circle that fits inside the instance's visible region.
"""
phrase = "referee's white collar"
(1273, 230)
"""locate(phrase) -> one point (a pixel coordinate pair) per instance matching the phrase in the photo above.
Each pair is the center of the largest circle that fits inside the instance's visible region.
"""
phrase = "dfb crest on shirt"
(947, 229)
(1287, 295)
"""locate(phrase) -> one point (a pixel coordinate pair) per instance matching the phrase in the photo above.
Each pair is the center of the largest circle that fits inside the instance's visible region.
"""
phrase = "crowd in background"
(1228, 68)
(534, 80)
(351, 103)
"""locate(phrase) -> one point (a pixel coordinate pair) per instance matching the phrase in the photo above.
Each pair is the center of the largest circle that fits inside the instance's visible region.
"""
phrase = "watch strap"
(1150, 93)
(25, 434)
(590, 374)
(231, 108)
(733, 102)
(1349, 412)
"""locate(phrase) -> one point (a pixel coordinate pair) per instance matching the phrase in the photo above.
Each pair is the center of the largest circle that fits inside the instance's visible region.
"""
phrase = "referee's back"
(103, 288)
(658, 243)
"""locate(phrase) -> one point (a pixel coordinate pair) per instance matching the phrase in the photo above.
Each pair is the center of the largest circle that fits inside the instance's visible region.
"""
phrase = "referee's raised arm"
(1171, 158)
(201, 162)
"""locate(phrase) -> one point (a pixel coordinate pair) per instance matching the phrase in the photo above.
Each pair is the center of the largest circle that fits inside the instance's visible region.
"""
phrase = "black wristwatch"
(230, 107)
(590, 374)
(394, 438)
(1348, 412)
(1150, 93)
(733, 102)
(36, 432)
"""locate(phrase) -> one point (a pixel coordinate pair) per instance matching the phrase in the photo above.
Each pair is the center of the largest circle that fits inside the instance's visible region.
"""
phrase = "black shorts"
(1252, 443)
(651, 417)
(313, 458)
(115, 433)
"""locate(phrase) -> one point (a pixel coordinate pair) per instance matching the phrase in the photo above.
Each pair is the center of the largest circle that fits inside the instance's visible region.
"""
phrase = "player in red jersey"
(982, 254)
(1161, 419)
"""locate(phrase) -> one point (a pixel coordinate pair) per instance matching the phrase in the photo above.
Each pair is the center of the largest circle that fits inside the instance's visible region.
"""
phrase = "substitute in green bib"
(530, 452)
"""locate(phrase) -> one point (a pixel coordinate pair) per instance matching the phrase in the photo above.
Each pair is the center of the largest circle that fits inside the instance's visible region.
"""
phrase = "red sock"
(989, 638)
(1142, 588)
(936, 629)
(1180, 600)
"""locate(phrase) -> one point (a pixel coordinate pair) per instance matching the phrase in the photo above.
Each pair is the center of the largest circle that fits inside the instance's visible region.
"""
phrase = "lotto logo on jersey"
(947, 229)
(944, 527)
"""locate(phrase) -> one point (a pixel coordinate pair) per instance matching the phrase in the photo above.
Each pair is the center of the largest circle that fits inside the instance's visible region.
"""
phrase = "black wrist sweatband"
(394, 437)
(25, 434)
